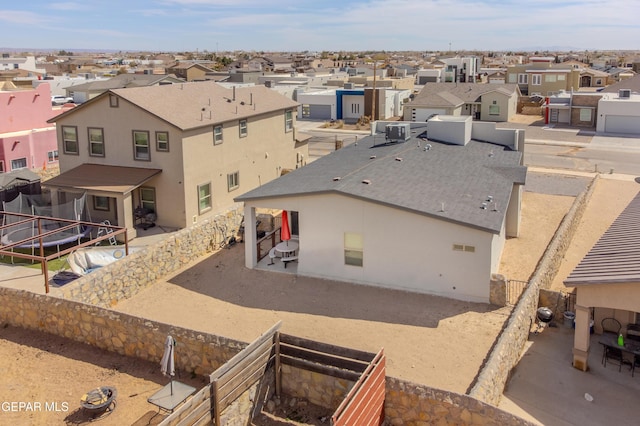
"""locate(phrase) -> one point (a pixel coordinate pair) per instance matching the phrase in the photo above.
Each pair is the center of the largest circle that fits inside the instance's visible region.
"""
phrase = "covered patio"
(116, 193)
(607, 283)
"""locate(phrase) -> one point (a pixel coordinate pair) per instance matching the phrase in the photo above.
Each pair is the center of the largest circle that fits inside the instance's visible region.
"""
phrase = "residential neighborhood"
(445, 236)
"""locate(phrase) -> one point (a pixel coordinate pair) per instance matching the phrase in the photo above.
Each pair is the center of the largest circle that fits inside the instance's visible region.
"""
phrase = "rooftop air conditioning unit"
(348, 86)
(398, 132)
(268, 83)
(624, 93)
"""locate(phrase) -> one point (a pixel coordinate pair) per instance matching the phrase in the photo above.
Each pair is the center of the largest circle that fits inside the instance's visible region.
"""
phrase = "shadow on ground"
(223, 276)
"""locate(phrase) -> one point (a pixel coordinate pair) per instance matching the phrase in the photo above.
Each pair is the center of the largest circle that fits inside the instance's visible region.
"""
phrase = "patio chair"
(613, 355)
(611, 325)
(636, 363)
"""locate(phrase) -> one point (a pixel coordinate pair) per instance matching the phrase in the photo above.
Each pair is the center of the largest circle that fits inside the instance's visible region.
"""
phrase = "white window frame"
(288, 120)
(353, 249)
(96, 141)
(243, 128)
(68, 139)
(16, 166)
(148, 198)
(523, 78)
(233, 181)
(217, 135)
(52, 156)
(204, 200)
(138, 146)
(536, 79)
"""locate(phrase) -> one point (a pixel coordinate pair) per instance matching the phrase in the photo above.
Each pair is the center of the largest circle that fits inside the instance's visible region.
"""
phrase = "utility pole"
(373, 107)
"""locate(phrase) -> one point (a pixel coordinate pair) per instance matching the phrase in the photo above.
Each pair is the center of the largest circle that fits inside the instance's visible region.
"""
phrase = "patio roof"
(615, 258)
(97, 177)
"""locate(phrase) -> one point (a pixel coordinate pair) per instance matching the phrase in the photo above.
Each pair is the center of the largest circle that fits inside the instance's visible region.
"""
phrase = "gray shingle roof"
(124, 80)
(615, 258)
(461, 177)
(453, 94)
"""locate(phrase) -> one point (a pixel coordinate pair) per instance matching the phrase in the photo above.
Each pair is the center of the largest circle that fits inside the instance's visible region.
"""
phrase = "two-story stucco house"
(543, 77)
(180, 151)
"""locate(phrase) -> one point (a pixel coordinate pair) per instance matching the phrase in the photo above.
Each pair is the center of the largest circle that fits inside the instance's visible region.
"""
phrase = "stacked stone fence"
(505, 354)
(196, 352)
(126, 277)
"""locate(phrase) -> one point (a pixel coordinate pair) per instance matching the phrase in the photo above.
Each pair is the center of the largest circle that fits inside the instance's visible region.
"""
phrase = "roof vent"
(372, 157)
(490, 153)
(398, 158)
(484, 206)
(337, 178)
(366, 182)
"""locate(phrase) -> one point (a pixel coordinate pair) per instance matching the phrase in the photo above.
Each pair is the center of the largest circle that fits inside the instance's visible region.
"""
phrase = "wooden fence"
(363, 405)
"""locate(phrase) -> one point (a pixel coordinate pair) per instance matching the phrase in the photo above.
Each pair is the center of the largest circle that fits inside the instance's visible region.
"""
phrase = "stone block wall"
(319, 389)
(126, 277)
(504, 356)
(410, 404)
(200, 353)
(498, 290)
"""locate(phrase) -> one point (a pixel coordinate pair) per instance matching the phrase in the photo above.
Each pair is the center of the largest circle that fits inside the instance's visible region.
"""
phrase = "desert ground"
(431, 340)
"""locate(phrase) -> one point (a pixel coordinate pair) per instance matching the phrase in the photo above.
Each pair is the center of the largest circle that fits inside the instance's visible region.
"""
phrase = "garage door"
(320, 112)
(622, 124)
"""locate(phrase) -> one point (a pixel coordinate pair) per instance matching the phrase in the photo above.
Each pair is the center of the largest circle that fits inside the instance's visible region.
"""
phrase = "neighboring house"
(460, 69)
(431, 75)
(27, 140)
(619, 113)
(486, 102)
(575, 109)
(84, 92)
(415, 214)
(593, 78)
(191, 71)
(607, 282)
(543, 77)
(27, 64)
(181, 151)
(632, 84)
(351, 104)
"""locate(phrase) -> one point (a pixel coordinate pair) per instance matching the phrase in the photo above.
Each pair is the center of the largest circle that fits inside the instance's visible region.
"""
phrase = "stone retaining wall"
(200, 353)
(505, 354)
(317, 388)
(126, 277)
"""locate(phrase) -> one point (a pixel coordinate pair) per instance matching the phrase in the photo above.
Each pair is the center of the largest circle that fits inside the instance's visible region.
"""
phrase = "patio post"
(581, 338)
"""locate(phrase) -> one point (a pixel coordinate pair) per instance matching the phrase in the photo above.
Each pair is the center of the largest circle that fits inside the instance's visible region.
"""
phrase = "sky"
(321, 25)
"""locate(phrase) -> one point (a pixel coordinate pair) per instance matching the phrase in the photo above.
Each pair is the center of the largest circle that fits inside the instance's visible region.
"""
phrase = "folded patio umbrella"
(167, 364)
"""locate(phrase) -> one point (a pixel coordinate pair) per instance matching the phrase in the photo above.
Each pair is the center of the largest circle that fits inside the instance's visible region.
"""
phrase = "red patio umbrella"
(285, 232)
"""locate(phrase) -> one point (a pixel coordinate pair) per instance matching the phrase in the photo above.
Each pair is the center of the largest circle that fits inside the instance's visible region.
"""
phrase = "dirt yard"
(431, 340)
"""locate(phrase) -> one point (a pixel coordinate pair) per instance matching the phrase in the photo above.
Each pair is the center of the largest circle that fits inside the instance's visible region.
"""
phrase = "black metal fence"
(515, 288)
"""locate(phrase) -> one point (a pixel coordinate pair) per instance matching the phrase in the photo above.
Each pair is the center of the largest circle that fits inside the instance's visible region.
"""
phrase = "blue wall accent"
(339, 94)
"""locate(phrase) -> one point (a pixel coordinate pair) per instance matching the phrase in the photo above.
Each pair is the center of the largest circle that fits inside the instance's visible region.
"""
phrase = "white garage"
(622, 124)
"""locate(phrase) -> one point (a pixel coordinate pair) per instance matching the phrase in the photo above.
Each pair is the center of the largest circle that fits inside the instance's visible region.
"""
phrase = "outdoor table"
(171, 395)
(630, 347)
(288, 250)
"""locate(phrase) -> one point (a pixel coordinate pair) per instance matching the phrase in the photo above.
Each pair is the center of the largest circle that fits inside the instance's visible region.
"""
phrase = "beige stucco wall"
(624, 297)
(507, 104)
(402, 250)
(192, 159)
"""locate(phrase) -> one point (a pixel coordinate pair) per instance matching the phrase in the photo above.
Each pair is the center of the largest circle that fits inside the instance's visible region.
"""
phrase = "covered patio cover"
(98, 177)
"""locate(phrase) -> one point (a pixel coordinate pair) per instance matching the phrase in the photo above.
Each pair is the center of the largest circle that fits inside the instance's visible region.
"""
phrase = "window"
(550, 78)
(523, 79)
(217, 135)
(18, 163)
(148, 199)
(141, 145)
(204, 197)
(561, 77)
(306, 111)
(100, 203)
(233, 181)
(70, 139)
(462, 247)
(162, 141)
(494, 109)
(96, 142)
(598, 81)
(355, 108)
(1, 166)
(585, 114)
(113, 101)
(288, 121)
(52, 156)
(513, 78)
(353, 249)
(243, 128)
(536, 79)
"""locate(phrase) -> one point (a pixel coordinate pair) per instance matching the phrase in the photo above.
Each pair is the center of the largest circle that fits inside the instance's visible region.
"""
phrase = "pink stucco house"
(26, 139)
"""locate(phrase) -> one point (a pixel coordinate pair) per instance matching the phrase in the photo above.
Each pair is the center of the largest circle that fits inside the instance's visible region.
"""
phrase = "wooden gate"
(364, 404)
(515, 289)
